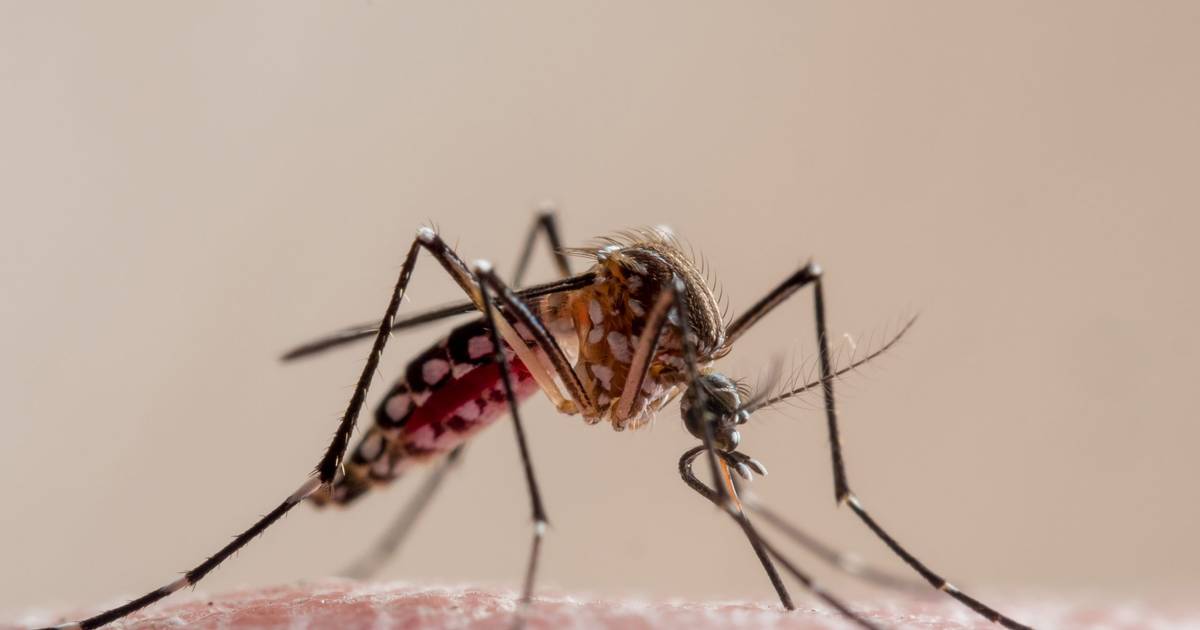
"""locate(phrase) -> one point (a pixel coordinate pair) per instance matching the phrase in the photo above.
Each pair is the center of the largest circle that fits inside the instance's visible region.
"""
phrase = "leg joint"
(426, 235)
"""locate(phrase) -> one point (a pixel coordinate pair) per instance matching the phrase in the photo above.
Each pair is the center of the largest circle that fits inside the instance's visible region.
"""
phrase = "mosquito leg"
(763, 548)
(846, 562)
(547, 223)
(693, 373)
(752, 535)
(514, 311)
(385, 548)
(196, 574)
(389, 543)
(811, 274)
(721, 497)
(656, 320)
(324, 474)
(330, 463)
(487, 281)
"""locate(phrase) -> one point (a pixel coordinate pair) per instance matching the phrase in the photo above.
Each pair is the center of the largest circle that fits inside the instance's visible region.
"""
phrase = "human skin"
(337, 603)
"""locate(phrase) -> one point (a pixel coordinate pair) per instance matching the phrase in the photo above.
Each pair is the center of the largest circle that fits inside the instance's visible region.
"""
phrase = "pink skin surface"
(350, 604)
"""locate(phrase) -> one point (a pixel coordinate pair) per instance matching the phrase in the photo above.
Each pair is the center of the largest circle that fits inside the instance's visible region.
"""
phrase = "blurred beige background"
(188, 189)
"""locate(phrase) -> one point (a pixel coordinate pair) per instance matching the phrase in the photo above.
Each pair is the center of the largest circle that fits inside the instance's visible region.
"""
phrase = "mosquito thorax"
(714, 399)
(601, 326)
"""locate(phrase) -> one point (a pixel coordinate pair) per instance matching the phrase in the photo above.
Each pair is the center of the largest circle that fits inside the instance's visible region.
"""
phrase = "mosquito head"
(714, 399)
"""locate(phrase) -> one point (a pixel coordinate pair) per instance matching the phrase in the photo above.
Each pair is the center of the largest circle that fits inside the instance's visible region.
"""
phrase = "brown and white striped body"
(602, 326)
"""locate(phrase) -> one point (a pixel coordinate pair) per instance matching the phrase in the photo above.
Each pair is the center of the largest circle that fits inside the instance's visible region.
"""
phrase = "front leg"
(811, 275)
(762, 548)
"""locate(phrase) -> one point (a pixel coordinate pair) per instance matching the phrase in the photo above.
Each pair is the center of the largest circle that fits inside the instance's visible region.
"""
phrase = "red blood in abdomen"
(444, 403)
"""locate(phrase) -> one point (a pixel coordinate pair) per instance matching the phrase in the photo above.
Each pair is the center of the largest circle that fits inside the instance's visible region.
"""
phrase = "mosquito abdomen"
(447, 394)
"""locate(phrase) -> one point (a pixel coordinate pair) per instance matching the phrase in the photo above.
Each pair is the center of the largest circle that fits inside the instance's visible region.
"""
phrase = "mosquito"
(616, 343)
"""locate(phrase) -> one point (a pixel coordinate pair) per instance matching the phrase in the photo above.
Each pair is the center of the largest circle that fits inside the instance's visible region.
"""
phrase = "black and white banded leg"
(810, 274)
(848, 563)
(545, 222)
(672, 299)
(488, 282)
(730, 507)
(388, 544)
(330, 464)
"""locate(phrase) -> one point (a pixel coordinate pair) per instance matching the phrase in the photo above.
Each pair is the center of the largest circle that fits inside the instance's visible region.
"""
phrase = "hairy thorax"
(601, 326)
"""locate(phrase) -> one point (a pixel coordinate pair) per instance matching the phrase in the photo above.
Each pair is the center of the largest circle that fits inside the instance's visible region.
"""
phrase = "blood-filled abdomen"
(447, 394)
